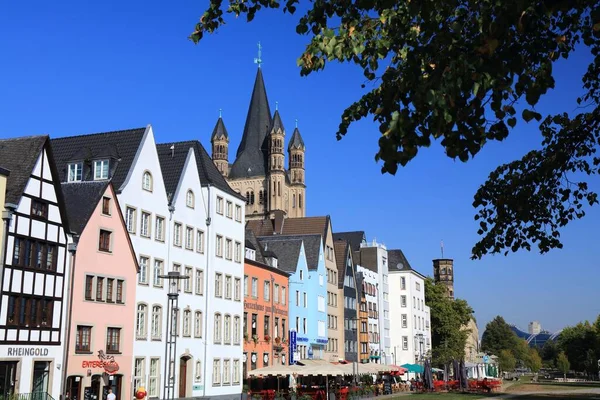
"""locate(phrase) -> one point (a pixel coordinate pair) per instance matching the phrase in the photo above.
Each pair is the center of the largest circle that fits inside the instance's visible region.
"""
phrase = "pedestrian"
(111, 395)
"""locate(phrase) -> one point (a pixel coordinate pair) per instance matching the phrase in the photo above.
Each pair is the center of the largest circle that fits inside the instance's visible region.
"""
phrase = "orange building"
(265, 312)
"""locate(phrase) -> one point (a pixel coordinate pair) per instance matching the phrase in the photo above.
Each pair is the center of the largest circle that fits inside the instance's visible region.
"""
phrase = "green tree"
(534, 361)
(549, 353)
(447, 319)
(498, 336)
(506, 360)
(521, 350)
(464, 73)
(562, 363)
(576, 341)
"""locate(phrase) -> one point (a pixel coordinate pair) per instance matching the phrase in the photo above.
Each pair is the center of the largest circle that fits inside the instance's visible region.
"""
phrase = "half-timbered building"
(34, 271)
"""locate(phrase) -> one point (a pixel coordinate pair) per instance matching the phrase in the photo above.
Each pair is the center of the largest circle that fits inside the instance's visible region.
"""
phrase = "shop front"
(90, 378)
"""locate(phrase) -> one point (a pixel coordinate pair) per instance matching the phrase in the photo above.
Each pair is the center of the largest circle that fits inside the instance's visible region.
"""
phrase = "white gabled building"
(34, 271)
(182, 216)
(410, 316)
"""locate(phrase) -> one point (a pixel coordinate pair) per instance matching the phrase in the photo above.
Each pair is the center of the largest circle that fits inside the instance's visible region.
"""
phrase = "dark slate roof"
(296, 141)
(355, 238)
(19, 155)
(277, 124)
(249, 245)
(122, 146)
(251, 156)
(287, 251)
(172, 163)
(396, 257)
(312, 245)
(341, 255)
(220, 131)
(81, 199)
(251, 239)
(4, 171)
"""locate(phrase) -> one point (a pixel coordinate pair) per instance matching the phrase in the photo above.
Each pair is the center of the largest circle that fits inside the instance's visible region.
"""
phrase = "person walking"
(111, 395)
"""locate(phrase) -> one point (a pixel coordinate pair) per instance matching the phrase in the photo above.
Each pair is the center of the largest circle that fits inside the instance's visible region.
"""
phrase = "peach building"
(102, 295)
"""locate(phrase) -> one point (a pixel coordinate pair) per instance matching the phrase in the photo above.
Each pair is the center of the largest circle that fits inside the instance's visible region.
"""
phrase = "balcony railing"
(28, 396)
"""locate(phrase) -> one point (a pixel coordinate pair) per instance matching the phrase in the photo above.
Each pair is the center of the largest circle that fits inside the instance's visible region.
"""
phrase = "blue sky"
(76, 67)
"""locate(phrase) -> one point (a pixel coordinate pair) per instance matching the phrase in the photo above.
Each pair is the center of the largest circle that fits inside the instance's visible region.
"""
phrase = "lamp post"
(420, 339)
(173, 278)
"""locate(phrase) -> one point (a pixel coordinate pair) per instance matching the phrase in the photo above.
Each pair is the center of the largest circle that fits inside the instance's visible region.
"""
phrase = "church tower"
(276, 171)
(220, 147)
(296, 151)
(443, 273)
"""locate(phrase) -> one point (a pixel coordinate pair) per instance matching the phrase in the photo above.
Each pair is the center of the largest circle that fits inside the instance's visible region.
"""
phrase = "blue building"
(302, 257)
(535, 339)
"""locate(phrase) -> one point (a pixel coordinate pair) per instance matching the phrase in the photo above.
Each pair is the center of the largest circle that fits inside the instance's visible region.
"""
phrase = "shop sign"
(104, 361)
(27, 351)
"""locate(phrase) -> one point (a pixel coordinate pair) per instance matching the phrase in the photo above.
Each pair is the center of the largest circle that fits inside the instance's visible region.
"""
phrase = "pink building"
(102, 295)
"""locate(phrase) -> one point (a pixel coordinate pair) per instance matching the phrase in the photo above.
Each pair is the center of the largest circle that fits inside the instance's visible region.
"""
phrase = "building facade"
(265, 319)
(370, 289)
(4, 174)
(364, 354)
(35, 271)
(410, 316)
(182, 217)
(258, 171)
(102, 294)
(349, 292)
(443, 274)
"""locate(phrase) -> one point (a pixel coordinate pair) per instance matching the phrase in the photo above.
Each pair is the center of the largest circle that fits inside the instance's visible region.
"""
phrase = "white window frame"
(199, 282)
(143, 274)
(199, 241)
(189, 238)
(190, 199)
(177, 234)
(130, 219)
(159, 228)
(157, 281)
(147, 181)
(145, 224)
(102, 172)
(75, 172)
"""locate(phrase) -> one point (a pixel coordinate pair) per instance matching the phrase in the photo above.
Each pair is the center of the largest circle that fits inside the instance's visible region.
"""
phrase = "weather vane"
(258, 60)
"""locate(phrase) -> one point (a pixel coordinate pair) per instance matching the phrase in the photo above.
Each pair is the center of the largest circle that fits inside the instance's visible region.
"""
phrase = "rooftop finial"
(296, 122)
(258, 60)
(220, 112)
(276, 105)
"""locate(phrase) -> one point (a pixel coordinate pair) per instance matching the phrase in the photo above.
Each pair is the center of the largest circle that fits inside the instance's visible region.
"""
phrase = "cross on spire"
(296, 122)
(220, 112)
(276, 105)
(258, 60)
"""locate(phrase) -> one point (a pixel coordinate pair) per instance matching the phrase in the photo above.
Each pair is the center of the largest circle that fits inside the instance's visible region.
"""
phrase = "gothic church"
(259, 171)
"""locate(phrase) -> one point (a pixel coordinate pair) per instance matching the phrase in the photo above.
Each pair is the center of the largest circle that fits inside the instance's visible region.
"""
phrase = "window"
(177, 234)
(306, 299)
(228, 287)
(198, 324)
(104, 242)
(189, 238)
(404, 321)
(216, 372)
(120, 291)
(75, 172)
(198, 371)
(217, 328)
(236, 329)
(229, 210)
(226, 372)
(254, 323)
(159, 229)
(145, 225)
(283, 295)
(130, 219)
(99, 289)
(418, 286)
(100, 169)
(267, 291)
(83, 338)
(297, 298)
(298, 324)
(404, 342)
(301, 275)
(321, 328)
(238, 213)
(140, 321)
(267, 325)
(414, 302)
(147, 181)
(255, 287)
(189, 199)
(110, 283)
(276, 293)
(143, 274)
(106, 205)
(237, 289)
(402, 301)
(187, 317)
(238, 252)
(227, 329)
(199, 282)
(245, 285)
(177, 268)
(155, 326)
(219, 245)
(219, 205)
(89, 283)
(200, 241)
(218, 284)
(157, 281)
(154, 377)
(113, 340)
(320, 302)
(236, 372)
(249, 197)
(139, 372)
(187, 285)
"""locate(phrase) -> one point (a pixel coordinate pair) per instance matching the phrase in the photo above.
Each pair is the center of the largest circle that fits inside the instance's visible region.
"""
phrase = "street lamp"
(173, 278)
(420, 338)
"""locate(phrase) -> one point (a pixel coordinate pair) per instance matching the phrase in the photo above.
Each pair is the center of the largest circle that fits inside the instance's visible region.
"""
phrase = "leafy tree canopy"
(506, 360)
(448, 317)
(464, 73)
(562, 363)
(534, 361)
(581, 343)
(498, 336)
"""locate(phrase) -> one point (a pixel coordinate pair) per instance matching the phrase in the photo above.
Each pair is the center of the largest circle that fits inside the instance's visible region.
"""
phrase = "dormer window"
(75, 172)
(100, 170)
(147, 181)
(189, 199)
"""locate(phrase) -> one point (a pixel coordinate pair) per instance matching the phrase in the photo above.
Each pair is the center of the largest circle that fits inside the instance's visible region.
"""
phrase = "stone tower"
(276, 170)
(296, 151)
(443, 273)
(220, 147)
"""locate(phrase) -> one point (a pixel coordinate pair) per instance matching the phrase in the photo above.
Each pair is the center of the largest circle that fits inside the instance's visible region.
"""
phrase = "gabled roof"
(312, 246)
(292, 226)
(277, 123)
(220, 131)
(251, 156)
(81, 199)
(355, 238)
(396, 257)
(120, 145)
(253, 243)
(287, 252)
(341, 248)
(296, 141)
(173, 161)
(19, 156)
